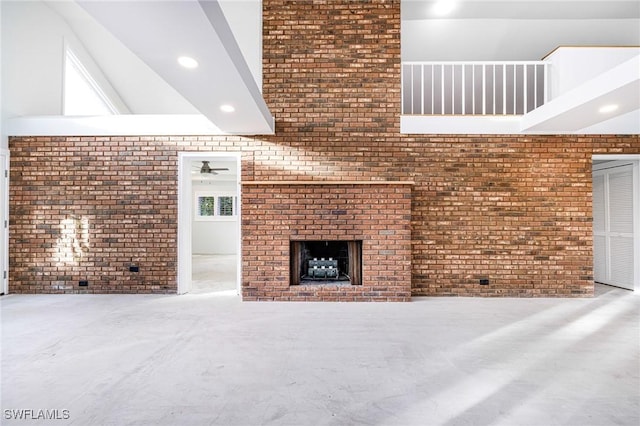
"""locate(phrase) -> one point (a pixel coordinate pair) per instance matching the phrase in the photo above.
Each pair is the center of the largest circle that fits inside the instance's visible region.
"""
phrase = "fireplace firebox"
(326, 262)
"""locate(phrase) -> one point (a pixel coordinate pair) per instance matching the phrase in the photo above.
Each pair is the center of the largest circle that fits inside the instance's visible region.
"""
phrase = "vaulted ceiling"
(139, 55)
(197, 29)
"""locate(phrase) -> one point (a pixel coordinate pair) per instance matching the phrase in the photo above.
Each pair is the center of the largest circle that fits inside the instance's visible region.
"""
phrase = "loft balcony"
(562, 94)
(473, 88)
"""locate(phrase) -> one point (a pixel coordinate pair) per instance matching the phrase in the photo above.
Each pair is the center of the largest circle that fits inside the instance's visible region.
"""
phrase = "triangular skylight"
(82, 95)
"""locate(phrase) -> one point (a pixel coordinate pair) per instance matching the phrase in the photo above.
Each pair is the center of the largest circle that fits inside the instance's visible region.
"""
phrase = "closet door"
(599, 229)
(613, 233)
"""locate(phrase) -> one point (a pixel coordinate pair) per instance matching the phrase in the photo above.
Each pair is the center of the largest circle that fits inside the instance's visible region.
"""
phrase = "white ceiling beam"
(112, 125)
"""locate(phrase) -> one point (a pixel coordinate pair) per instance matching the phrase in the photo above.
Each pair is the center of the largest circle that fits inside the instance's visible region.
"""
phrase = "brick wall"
(513, 209)
(87, 209)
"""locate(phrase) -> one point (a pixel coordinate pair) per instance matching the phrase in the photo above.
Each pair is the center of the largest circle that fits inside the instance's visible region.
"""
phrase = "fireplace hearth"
(326, 263)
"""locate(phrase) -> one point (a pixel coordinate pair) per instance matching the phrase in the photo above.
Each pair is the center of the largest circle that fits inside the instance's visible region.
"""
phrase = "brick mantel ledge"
(327, 182)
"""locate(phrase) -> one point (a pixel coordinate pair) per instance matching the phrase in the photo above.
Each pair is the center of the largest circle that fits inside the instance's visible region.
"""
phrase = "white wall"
(31, 61)
(3, 136)
(214, 237)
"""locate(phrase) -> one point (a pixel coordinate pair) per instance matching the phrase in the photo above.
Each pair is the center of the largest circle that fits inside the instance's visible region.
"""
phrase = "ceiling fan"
(208, 169)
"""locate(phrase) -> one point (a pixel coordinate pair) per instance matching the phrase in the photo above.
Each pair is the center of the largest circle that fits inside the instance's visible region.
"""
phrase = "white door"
(4, 221)
(615, 192)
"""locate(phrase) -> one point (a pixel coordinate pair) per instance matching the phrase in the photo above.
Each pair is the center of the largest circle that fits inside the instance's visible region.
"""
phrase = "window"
(206, 206)
(82, 94)
(214, 206)
(225, 206)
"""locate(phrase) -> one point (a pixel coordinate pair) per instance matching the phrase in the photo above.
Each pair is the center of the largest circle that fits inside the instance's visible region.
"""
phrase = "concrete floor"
(214, 273)
(207, 359)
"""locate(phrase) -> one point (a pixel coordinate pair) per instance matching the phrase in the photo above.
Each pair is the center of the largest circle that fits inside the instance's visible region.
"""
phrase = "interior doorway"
(616, 221)
(209, 223)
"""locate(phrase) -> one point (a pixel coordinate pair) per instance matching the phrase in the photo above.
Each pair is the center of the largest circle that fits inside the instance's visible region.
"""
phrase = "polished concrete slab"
(210, 359)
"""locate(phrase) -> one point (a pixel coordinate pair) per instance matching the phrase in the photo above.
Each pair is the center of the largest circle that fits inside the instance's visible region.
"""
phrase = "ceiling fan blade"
(207, 169)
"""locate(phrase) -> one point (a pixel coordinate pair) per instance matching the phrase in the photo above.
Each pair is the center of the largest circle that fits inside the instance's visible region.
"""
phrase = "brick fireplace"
(357, 236)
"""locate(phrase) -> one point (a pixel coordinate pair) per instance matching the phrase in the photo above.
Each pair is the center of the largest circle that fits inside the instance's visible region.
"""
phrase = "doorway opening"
(616, 220)
(209, 223)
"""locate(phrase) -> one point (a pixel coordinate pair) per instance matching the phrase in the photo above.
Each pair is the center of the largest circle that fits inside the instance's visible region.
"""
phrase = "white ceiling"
(170, 29)
(523, 9)
(478, 30)
(139, 55)
(141, 89)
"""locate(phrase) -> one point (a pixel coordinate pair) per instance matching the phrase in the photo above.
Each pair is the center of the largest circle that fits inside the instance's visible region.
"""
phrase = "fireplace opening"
(326, 262)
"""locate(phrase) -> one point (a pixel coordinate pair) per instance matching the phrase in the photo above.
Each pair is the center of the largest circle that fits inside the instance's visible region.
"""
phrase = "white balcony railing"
(473, 88)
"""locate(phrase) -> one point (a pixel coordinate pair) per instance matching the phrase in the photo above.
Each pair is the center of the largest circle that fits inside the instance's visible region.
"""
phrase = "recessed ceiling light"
(608, 108)
(443, 7)
(188, 62)
(227, 108)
